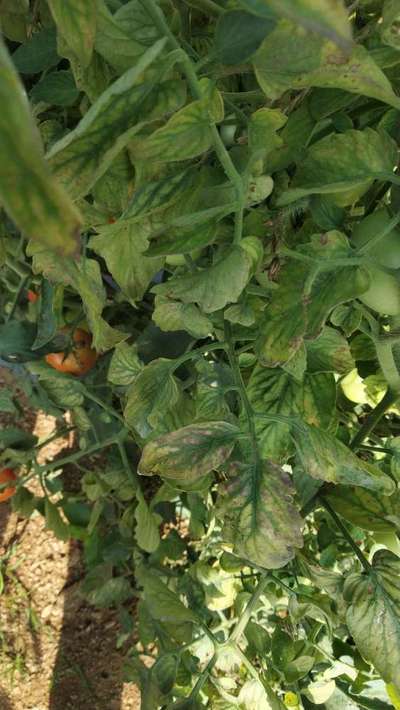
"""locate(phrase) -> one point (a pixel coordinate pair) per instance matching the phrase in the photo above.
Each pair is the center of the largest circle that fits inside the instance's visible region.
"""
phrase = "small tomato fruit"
(79, 360)
(32, 296)
(7, 475)
(383, 295)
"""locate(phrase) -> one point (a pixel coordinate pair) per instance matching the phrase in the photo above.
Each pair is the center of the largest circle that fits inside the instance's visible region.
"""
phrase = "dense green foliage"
(210, 188)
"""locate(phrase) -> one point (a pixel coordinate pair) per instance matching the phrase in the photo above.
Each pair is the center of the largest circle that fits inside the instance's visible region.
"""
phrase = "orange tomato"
(7, 475)
(32, 296)
(79, 360)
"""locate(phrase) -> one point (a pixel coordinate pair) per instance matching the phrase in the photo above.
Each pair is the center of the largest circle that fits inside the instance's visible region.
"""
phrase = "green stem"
(384, 351)
(374, 417)
(197, 353)
(110, 410)
(46, 468)
(347, 535)
(17, 296)
(203, 677)
(240, 627)
(195, 87)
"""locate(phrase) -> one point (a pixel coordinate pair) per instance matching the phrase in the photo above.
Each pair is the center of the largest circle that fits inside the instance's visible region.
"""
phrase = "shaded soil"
(56, 652)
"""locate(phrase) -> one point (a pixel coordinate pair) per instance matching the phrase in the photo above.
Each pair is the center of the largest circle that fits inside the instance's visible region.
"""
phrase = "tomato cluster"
(79, 359)
(7, 475)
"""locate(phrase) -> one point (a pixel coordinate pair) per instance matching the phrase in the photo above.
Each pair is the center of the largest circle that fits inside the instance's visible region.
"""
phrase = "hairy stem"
(240, 627)
(373, 418)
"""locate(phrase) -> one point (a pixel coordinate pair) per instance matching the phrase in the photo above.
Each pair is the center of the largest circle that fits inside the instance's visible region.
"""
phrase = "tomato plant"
(206, 194)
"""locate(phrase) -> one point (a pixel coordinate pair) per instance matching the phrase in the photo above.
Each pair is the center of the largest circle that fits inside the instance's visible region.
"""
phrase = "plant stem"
(374, 417)
(347, 535)
(17, 296)
(110, 410)
(195, 87)
(78, 455)
(196, 353)
(245, 618)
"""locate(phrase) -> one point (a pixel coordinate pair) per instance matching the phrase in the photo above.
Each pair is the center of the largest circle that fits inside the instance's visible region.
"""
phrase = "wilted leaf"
(29, 193)
(260, 519)
(328, 459)
(373, 616)
(190, 452)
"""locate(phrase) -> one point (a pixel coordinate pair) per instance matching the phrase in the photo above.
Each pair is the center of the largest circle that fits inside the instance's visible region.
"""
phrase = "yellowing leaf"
(34, 200)
(291, 58)
(260, 519)
(153, 392)
(76, 22)
(190, 452)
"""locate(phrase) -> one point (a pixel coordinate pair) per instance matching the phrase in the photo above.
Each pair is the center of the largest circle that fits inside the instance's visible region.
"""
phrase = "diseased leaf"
(84, 154)
(76, 22)
(369, 511)
(34, 200)
(390, 24)
(212, 288)
(273, 391)
(260, 520)
(290, 59)
(190, 452)
(325, 17)
(374, 604)
(330, 352)
(172, 315)
(341, 161)
(328, 459)
(153, 392)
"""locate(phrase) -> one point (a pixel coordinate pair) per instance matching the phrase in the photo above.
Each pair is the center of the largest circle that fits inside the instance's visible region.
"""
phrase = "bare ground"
(56, 652)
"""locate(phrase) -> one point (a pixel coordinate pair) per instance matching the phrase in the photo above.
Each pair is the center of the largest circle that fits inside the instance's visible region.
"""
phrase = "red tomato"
(32, 296)
(6, 475)
(79, 360)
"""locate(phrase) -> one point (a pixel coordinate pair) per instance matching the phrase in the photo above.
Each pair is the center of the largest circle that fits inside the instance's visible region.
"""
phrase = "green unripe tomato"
(349, 197)
(387, 250)
(227, 132)
(383, 295)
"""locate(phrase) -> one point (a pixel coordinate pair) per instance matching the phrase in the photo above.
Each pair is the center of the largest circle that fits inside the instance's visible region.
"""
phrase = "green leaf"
(112, 191)
(172, 315)
(366, 510)
(76, 23)
(239, 34)
(7, 401)
(122, 246)
(85, 153)
(290, 59)
(124, 37)
(63, 391)
(55, 522)
(273, 391)
(38, 53)
(147, 525)
(325, 17)
(164, 604)
(85, 277)
(212, 288)
(29, 193)
(164, 672)
(190, 452)
(341, 161)
(375, 604)
(260, 521)
(390, 24)
(152, 394)
(125, 365)
(46, 321)
(330, 352)
(297, 669)
(263, 127)
(325, 458)
(186, 134)
(15, 19)
(114, 591)
(57, 88)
